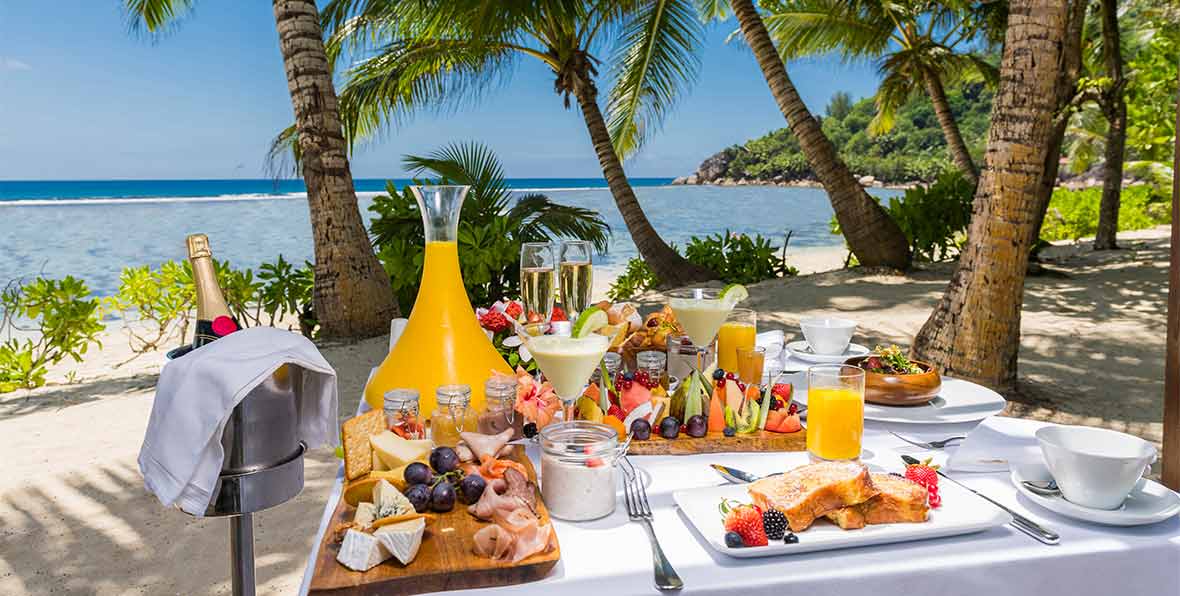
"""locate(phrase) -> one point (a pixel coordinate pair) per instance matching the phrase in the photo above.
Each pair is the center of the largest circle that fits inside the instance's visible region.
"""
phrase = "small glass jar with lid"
(452, 415)
(402, 415)
(578, 469)
(655, 364)
(499, 412)
(613, 363)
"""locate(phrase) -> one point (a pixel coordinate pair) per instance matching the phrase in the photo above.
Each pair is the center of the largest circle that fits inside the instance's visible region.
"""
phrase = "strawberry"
(494, 321)
(558, 314)
(746, 521)
(926, 476)
(514, 309)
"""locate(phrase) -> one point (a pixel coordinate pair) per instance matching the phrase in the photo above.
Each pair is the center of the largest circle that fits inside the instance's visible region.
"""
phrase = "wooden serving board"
(445, 560)
(716, 442)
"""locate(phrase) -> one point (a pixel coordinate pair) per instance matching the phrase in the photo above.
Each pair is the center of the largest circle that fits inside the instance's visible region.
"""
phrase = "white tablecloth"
(611, 556)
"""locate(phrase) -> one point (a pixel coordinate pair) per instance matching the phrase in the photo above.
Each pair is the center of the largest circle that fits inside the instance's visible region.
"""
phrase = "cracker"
(358, 453)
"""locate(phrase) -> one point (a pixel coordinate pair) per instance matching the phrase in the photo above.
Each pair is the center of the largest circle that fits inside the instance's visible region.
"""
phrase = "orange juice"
(835, 422)
(733, 335)
(443, 342)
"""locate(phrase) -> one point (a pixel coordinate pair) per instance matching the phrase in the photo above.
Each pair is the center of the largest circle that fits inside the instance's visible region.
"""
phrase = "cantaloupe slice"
(716, 413)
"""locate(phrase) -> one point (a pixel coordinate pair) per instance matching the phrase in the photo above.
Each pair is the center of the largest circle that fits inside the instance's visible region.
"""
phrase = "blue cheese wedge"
(361, 551)
(366, 514)
(389, 501)
(403, 538)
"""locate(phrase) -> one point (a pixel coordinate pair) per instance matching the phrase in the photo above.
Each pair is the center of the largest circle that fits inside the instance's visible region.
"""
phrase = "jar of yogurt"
(578, 469)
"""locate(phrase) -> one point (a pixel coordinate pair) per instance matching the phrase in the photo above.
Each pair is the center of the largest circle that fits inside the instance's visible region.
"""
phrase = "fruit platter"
(415, 517)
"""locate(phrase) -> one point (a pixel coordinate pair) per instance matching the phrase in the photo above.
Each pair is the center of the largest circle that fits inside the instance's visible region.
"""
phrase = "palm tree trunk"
(352, 295)
(974, 332)
(950, 128)
(872, 236)
(672, 269)
(1068, 72)
(1115, 108)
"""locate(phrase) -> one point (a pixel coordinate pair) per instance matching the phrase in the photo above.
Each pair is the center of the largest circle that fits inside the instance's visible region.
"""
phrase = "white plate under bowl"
(961, 513)
(957, 401)
(801, 350)
(1148, 504)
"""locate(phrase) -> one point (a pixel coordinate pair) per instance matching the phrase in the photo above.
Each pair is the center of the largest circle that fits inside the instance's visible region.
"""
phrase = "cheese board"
(446, 559)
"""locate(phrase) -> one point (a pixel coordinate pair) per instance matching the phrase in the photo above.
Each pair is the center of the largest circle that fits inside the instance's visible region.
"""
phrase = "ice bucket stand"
(263, 467)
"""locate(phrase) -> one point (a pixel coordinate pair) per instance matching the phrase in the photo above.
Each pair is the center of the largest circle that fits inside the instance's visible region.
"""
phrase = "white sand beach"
(76, 519)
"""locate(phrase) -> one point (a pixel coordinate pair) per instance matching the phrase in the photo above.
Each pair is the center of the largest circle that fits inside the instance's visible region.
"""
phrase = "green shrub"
(934, 218)
(1073, 214)
(61, 315)
(738, 258)
(636, 279)
(160, 299)
(287, 291)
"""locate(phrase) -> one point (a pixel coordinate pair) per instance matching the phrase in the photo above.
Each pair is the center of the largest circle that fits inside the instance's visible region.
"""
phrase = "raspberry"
(495, 321)
(746, 521)
(775, 524)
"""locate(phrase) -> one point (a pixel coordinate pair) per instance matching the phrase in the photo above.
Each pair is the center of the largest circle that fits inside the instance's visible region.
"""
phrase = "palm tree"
(489, 207)
(872, 236)
(437, 54)
(919, 45)
(974, 332)
(352, 295)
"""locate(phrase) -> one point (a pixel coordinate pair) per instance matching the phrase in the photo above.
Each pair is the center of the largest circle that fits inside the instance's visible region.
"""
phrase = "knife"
(1019, 522)
(737, 476)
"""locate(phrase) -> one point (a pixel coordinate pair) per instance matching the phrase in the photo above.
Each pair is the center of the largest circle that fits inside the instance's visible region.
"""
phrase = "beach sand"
(75, 518)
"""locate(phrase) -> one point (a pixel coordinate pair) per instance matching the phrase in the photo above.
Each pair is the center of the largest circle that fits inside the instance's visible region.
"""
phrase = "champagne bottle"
(213, 317)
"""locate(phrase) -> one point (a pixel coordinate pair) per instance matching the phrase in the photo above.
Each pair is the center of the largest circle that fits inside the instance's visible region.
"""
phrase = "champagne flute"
(576, 276)
(536, 280)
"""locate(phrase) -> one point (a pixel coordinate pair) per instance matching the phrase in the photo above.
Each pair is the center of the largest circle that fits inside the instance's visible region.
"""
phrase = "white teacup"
(1095, 467)
(827, 335)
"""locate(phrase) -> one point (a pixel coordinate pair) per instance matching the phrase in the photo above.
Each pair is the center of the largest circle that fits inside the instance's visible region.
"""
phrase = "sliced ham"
(492, 502)
(486, 447)
(494, 542)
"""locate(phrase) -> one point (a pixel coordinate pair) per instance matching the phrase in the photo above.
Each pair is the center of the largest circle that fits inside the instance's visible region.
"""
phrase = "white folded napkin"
(181, 455)
(997, 444)
(396, 328)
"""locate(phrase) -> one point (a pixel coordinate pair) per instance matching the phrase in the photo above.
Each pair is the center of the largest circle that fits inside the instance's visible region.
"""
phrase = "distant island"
(913, 151)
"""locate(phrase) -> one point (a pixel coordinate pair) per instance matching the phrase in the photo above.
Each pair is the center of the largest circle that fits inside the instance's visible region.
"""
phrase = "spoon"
(1046, 488)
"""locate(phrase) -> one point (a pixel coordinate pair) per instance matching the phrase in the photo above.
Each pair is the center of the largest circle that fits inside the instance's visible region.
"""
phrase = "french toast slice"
(899, 501)
(808, 492)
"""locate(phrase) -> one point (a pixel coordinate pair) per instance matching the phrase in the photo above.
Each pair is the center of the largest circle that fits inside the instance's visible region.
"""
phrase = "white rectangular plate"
(962, 512)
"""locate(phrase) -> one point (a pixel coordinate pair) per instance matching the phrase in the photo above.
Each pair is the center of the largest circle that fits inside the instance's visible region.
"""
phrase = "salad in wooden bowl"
(891, 379)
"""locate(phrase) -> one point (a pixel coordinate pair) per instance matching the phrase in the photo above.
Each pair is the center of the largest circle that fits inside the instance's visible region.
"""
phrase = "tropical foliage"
(1073, 214)
(934, 218)
(44, 321)
(913, 150)
(492, 226)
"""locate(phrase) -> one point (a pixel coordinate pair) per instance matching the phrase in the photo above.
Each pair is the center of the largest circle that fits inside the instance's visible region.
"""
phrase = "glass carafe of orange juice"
(443, 343)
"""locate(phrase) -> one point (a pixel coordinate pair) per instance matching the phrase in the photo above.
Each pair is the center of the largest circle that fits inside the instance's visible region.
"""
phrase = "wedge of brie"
(366, 514)
(403, 538)
(361, 551)
(389, 500)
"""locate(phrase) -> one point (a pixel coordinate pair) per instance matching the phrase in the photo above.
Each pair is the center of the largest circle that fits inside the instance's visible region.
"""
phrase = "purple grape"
(444, 460)
(696, 426)
(419, 497)
(471, 488)
(442, 498)
(641, 429)
(669, 428)
(418, 473)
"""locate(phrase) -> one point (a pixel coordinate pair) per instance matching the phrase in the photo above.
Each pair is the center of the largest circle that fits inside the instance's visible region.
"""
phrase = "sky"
(84, 98)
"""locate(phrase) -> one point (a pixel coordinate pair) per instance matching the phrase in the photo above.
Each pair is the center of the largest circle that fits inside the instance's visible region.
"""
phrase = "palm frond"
(854, 30)
(155, 16)
(285, 157)
(541, 219)
(471, 164)
(712, 10)
(655, 62)
(895, 89)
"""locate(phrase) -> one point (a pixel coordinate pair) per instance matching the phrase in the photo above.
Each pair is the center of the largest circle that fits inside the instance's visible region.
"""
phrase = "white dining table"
(611, 556)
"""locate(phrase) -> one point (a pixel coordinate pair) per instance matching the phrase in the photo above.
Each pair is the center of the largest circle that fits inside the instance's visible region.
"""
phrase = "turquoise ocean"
(92, 229)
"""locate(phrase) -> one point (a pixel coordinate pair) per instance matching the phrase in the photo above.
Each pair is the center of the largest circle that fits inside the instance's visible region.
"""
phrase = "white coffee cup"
(1095, 467)
(828, 336)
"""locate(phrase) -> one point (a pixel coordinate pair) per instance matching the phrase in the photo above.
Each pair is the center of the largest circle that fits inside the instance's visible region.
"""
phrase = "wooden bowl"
(900, 390)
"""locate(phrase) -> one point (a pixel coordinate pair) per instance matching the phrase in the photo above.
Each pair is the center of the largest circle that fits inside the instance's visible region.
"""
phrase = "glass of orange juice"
(738, 331)
(750, 362)
(835, 411)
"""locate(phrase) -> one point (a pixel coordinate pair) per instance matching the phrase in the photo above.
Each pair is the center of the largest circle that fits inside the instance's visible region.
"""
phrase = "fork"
(932, 444)
(638, 509)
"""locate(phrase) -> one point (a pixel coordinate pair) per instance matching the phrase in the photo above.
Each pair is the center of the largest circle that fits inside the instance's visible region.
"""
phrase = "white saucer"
(1149, 503)
(802, 351)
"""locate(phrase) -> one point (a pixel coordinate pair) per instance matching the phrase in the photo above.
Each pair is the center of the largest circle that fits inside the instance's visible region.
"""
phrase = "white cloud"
(13, 64)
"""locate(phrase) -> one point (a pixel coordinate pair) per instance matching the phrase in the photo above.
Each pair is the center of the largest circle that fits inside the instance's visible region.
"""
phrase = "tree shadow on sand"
(58, 397)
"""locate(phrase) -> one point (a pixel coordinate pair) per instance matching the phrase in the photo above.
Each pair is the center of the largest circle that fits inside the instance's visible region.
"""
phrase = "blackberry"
(775, 524)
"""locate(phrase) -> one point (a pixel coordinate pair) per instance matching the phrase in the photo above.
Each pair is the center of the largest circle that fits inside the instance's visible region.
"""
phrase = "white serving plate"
(962, 512)
(957, 401)
(801, 350)
(1148, 503)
